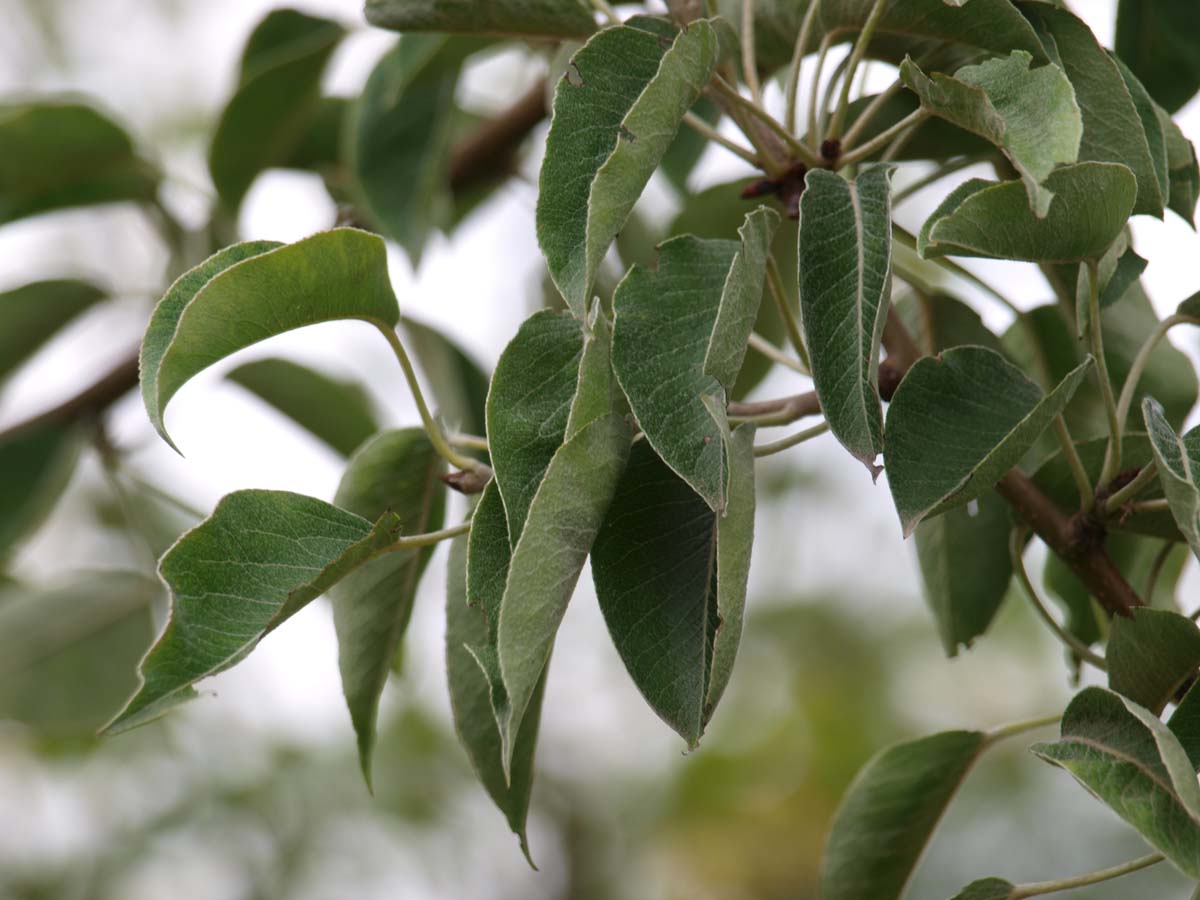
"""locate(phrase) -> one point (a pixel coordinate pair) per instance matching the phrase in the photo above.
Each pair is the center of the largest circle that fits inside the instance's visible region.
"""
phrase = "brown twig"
(89, 403)
(491, 150)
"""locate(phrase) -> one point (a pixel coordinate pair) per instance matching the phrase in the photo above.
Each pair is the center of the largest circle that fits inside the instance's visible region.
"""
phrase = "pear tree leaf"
(35, 466)
(338, 412)
(679, 337)
(1151, 655)
(1132, 763)
(1160, 41)
(396, 473)
(1030, 114)
(845, 291)
(957, 423)
(670, 576)
(1178, 460)
(456, 380)
(253, 291)
(889, 812)
(986, 889)
(1183, 171)
(277, 96)
(616, 111)
(518, 18)
(58, 154)
(1153, 124)
(1185, 724)
(238, 575)
(1092, 202)
(33, 313)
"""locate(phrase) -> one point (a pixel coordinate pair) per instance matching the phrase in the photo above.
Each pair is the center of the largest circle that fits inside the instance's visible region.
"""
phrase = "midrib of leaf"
(860, 300)
(1105, 750)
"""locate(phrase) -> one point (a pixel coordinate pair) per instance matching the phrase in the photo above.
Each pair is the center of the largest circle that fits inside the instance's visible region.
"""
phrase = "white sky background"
(165, 69)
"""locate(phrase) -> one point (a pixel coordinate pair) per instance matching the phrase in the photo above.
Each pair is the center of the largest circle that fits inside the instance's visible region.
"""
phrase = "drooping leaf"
(61, 154)
(1151, 655)
(845, 290)
(679, 337)
(35, 466)
(888, 815)
(396, 473)
(277, 96)
(1030, 114)
(249, 292)
(1132, 763)
(1178, 460)
(33, 313)
(957, 423)
(1160, 40)
(457, 382)
(616, 111)
(238, 575)
(671, 580)
(338, 412)
(1092, 202)
(524, 18)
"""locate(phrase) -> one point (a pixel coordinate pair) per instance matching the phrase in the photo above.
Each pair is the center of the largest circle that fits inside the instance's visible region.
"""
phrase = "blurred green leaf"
(457, 382)
(1160, 40)
(33, 313)
(1178, 460)
(1151, 655)
(523, 18)
(35, 466)
(986, 889)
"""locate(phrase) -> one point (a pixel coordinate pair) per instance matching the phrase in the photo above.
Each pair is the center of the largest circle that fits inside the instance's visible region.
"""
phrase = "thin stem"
(781, 411)
(936, 175)
(814, 133)
(762, 346)
(793, 82)
(426, 540)
(865, 117)
(791, 440)
(1087, 493)
(1148, 506)
(1156, 567)
(432, 429)
(1112, 457)
(831, 85)
(470, 441)
(775, 285)
(602, 7)
(909, 240)
(881, 140)
(749, 62)
(1038, 888)
(856, 55)
(705, 130)
(1144, 478)
(1080, 649)
(1015, 728)
(1129, 389)
(725, 89)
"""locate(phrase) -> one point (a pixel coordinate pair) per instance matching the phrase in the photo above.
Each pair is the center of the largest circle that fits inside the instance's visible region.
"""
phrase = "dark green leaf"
(1151, 655)
(527, 18)
(35, 466)
(1154, 124)
(1185, 724)
(889, 813)
(1160, 40)
(33, 313)
(1178, 461)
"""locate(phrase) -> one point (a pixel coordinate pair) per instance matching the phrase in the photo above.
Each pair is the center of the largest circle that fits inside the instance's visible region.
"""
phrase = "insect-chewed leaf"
(1160, 40)
(33, 313)
(616, 112)
(529, 18)
(396, 473)
(679, 337)
(671, 579)
(1178, 460)
(258, 559)
(957, 423)
(1151, 655)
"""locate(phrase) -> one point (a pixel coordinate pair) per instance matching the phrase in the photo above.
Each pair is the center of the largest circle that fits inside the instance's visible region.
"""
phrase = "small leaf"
(1160, 40)
(993, 220)
(249, 292)
(679, 337)
(1178, 461)
(616, 111)
(1151, 655)
(522, 18)
(986, 889)
(1128, 759)
(35, 466)
(845, 290)
(396, 473)
(337, 412)
(455, 379)
(238, 575)
(1030, 114)
(33, 313)
(889, 813)
(58, 154)
(957, 423)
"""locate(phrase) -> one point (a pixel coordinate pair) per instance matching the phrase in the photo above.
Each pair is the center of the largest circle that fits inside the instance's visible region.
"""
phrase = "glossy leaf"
(61, 154)
(1178, 460)
(396, 474)
(522, 18)
(33, 313)
(845, 290)
(1132, 763)
(957, 423)
(1160, 40)
(1030, 114)
(1151, 655)
(249, 292)
(340, 413)
(35, 466)
(616, 111)
(992, 219)
(238, 575)
(679, 338)
(889, 813)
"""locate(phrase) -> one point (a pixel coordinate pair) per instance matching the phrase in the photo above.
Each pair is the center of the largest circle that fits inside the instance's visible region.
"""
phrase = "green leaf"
(957, 423)
(1151, 655)
(986, 889)
(679, 338)
(277, 97)
(992, 219)
(1160, 40)
(35, 312)
(58, 154)
(253, 291)
(35, 466)
(845, 290)
(1112, 129)
(396, 474)
(1153, 124)
(489, 554)
(616, 112)
(470, 702)
(340, 413)
(1119, 269)
(258, 559)
(671, 579)
(1183, 171)
(939, 321)
(1178, 460)
(1185, 724)
(1030, 114)
(1128, 759)
(456, 381)
(889, 812)
(522, 18)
